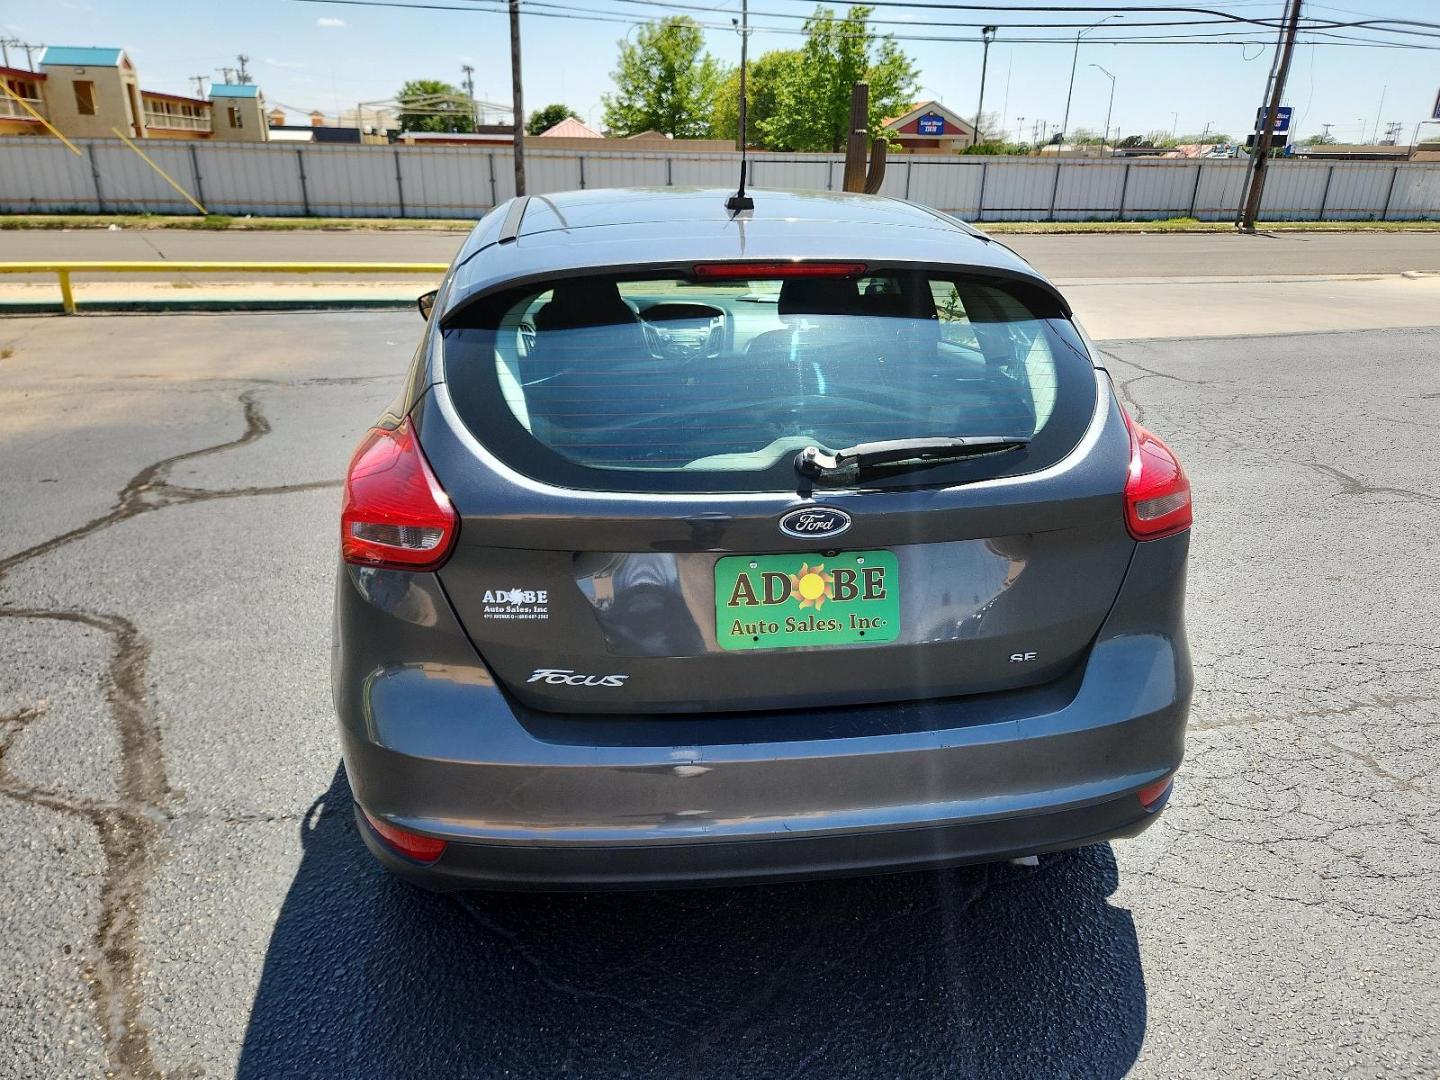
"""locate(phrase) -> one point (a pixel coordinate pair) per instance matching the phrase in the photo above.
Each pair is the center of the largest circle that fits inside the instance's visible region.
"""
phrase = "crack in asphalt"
(127, 831)
(1353, 485)
(150, 489)
(130, 828)
(1320, 712)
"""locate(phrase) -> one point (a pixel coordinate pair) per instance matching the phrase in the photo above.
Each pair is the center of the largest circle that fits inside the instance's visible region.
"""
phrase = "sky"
(329, 56)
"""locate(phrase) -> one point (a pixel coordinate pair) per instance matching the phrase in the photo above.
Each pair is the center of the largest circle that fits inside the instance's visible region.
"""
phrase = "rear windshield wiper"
(847, 463)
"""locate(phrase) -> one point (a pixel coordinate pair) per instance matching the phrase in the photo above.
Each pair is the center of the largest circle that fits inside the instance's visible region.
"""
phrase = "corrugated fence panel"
(553, 171)
(1088, 190)
(1358, 190)
(1416, 194)
(462, 181)
(448, 181)
(128, 185)
(703, 170)
(43, 178)
(1160, 189)
(1015, 189)
(348, 181)
(946, 184)
(249, 179)
(1221, 185)
(798, 174)
(629, 170)
(1294, 192)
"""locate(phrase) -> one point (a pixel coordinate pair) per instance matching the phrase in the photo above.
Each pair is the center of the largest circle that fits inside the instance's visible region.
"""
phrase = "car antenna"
(740, 201)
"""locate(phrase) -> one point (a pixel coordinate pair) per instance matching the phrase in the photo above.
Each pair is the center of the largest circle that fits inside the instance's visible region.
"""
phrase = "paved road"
(182, 891)
(1063, 257)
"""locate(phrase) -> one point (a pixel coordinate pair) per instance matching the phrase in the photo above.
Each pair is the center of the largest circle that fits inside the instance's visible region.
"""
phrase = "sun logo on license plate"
(813, 586)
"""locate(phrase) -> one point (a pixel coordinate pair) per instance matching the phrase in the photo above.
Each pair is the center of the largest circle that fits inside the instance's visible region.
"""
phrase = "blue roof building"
(74, 56)
(234, 90)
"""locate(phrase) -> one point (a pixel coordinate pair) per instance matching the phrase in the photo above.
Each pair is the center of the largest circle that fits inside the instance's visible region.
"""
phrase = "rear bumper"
(563, 867)
(433, 746)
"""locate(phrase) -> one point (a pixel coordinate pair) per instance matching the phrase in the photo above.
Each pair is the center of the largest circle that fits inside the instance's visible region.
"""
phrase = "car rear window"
(645, 382)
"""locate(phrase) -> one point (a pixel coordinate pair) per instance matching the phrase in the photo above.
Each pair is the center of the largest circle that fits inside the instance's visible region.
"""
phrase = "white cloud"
(328, 23)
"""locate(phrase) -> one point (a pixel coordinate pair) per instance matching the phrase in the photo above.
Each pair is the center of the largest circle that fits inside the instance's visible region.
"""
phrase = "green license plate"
(784, 601)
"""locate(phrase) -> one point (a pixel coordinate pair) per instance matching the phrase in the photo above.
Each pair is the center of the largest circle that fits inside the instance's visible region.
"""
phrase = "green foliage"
(1191, 140)
(434, 105)
(546, 118)
(813, 100)
(762, 88)
(999, 149)
(664, 82)
(1319, 139)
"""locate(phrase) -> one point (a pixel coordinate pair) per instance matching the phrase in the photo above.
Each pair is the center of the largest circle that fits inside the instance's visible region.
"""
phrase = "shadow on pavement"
(985, 971)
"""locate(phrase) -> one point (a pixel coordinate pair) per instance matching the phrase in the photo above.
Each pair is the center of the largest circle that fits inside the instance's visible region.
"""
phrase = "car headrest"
(576, 304)
(818, 296)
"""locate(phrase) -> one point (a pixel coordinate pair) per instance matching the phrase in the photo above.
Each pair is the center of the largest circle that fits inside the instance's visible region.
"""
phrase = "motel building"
(91, 93)
(928, 127)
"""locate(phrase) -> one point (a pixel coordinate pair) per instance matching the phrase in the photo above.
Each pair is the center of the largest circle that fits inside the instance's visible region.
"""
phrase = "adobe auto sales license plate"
(781, 601)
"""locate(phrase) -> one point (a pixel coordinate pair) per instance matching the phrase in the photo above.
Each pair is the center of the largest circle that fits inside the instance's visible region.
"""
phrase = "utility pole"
(469, 83)
(1260, 157)
(243, 76)
(517, 101)
(987, 35)
(1327, 128)
(199, 81)
(29, 48)
(742, 27)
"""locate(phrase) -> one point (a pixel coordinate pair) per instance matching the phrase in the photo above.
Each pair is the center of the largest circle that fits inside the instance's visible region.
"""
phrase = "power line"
(1211, 39)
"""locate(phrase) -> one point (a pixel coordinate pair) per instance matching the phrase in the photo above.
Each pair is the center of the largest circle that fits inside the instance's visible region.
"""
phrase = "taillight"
(755, 271)
(425, 849)
(1157, 492)
(1153, 796)
(395, 515)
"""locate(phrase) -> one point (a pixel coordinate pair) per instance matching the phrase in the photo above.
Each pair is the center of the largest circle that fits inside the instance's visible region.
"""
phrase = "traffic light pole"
(1260, 152)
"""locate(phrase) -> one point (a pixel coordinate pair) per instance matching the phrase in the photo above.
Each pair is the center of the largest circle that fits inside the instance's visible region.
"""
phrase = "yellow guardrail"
(168, 266)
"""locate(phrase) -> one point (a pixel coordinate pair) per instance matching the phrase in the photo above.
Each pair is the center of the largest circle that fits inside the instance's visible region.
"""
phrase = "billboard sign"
(1282, 119)
(1435, 112)
(931, 124)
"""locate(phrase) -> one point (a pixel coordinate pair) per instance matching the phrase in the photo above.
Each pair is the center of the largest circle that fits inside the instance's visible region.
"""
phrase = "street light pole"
(987, 35)
(1074, 58)
(1108, 108)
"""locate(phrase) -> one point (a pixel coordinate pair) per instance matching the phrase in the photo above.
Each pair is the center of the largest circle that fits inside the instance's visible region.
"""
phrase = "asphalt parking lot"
(183, 894)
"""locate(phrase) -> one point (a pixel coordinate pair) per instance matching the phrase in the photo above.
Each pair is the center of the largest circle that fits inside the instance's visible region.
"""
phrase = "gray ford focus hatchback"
(708, 546)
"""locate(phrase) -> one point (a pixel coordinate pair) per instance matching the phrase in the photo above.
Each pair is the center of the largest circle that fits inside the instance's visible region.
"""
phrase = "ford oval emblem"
(811, 522)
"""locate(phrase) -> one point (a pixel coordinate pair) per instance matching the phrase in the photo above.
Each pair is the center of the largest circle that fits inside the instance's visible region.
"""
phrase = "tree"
(546, 118)
(813, 104)
(433, 105)
(762, 85)
(1323, 138)
(663, 81)
(1198, 139)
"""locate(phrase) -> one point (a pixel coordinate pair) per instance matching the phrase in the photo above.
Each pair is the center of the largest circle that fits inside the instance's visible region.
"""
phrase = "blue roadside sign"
(1282, 119)
(1435, 113)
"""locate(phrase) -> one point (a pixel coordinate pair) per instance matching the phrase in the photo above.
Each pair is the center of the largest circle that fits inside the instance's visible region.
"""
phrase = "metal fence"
(461, 181)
